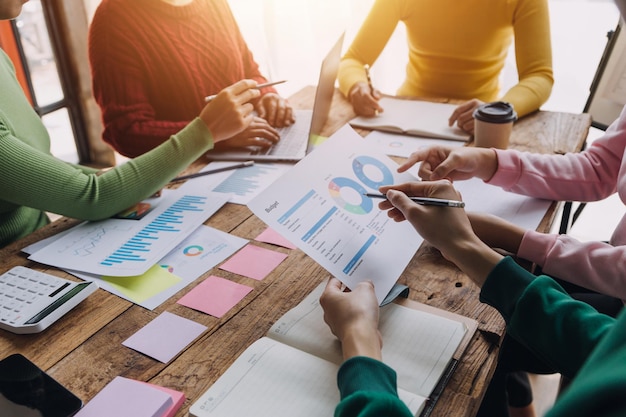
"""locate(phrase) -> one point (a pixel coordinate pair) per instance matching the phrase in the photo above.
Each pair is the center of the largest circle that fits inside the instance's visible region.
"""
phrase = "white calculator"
(30, 300)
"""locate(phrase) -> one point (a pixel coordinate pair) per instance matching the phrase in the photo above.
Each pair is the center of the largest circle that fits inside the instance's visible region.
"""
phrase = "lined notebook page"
(272, 379)
(416, 344)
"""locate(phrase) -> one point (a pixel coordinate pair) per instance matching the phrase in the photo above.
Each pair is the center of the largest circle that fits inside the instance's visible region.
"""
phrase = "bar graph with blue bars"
(169, 221)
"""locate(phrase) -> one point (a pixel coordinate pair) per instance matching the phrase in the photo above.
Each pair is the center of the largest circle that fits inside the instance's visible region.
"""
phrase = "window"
(43, 80)
(48, 44)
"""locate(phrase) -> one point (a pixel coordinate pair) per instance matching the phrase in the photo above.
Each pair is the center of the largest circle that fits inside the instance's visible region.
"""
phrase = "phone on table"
(27, 391)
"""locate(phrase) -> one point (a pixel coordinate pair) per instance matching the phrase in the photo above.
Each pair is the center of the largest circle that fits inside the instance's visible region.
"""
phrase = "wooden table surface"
(83, 350)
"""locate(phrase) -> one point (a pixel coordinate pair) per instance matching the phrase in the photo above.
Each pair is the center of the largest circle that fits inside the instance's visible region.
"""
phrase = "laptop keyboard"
(293, 141)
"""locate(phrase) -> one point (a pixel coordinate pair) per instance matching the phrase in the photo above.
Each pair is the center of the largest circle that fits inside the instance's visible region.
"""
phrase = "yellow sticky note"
(317, 140)
(141, 287)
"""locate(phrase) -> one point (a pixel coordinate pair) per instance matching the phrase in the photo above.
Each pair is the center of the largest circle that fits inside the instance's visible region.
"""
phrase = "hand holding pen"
(419, 194)
(364, 97)
(447, 229)
(427, 201)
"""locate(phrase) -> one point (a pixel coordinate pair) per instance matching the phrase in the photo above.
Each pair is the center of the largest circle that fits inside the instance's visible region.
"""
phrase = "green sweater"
(33, 181)
(577, 340)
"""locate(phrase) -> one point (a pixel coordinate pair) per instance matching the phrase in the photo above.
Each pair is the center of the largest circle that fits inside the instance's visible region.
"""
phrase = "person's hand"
(353, 317)
(364, 101)
(446, 228)
(258, 134)
(438, 225)
(231, 111)
(460, 163)
(496, 232)
(275, 109)
(463, 115)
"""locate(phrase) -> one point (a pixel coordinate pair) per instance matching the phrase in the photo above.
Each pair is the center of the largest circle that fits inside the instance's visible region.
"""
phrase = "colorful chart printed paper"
(321, 207)
(118, 247)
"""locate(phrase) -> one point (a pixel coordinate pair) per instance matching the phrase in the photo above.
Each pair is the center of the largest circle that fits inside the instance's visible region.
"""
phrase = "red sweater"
(153, 63)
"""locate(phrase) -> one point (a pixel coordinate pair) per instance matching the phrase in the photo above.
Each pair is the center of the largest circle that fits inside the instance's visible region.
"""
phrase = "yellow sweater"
(457, 49)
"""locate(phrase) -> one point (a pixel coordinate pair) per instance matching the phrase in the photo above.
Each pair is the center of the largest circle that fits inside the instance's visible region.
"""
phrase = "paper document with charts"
(131, 246)
(413, 118)
(320, 206)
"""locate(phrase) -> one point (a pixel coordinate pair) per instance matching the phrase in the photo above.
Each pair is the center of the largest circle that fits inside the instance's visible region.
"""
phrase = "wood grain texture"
(83, 351)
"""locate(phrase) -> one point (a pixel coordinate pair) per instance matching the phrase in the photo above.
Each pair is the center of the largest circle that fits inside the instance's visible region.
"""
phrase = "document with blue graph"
(320, 206)
(127, 247)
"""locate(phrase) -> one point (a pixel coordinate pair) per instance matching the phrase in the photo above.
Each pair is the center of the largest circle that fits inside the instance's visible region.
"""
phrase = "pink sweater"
(153, 63)
(591, 175)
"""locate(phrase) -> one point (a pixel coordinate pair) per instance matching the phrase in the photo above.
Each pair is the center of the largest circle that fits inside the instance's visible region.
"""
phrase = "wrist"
(362, 340)
(356, 87)
(490, 164)
(474, 258)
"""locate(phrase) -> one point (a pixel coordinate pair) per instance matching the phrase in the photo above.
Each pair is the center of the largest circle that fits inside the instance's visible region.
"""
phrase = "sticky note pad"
(142, 287)
(125, 397)
(215, 296)
(165, 336)
(253, 262)
(271, 236)
(178, 398)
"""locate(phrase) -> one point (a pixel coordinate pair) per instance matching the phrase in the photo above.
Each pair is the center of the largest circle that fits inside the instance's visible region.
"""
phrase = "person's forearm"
(474, 258)
(362, 341)
(496, 232)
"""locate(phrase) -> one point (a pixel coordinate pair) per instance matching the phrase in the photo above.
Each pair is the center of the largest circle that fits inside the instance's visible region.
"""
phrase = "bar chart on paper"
(122, 247)
(321, 207)
(247, 182)
(168, 222)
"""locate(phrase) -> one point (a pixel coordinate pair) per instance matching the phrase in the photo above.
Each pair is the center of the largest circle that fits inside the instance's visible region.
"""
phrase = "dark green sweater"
(577, 340)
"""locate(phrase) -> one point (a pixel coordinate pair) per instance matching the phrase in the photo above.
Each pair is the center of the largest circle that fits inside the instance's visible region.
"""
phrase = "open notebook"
(413, 118)
(297, 140)
(293, 370)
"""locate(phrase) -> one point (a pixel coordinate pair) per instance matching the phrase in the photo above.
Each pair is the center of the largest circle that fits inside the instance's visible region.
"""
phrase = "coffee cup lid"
(496, 112)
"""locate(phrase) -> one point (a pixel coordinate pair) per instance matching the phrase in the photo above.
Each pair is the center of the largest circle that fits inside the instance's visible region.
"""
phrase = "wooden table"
(83, 350)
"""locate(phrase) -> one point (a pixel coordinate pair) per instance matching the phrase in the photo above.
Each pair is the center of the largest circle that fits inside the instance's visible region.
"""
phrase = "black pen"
(210, 98)
(427, 201)
(213, 171)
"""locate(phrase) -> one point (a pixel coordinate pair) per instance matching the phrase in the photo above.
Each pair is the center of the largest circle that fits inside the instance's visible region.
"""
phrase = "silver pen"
(210, 98)
(427, 201)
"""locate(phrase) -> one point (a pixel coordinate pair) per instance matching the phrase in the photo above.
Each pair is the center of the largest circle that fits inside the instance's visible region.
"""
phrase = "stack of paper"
(124, 397)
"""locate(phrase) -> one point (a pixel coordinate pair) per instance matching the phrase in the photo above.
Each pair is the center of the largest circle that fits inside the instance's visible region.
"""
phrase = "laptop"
(297, 140)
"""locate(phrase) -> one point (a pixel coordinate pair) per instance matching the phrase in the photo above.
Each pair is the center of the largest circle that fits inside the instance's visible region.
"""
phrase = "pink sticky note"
(253, 262)
(215, 296)
(271, 236)
(178, 398)
(165, 336)
(127, 397)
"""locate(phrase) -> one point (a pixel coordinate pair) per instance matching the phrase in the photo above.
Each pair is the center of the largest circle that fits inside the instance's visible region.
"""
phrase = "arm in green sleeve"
(542, 316)
(368, 388)
(38, 180)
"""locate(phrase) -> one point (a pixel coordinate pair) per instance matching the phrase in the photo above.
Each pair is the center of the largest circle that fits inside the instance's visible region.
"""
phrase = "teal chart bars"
(245, 181)
(168, 222)
(320, 207)
(129, 247)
